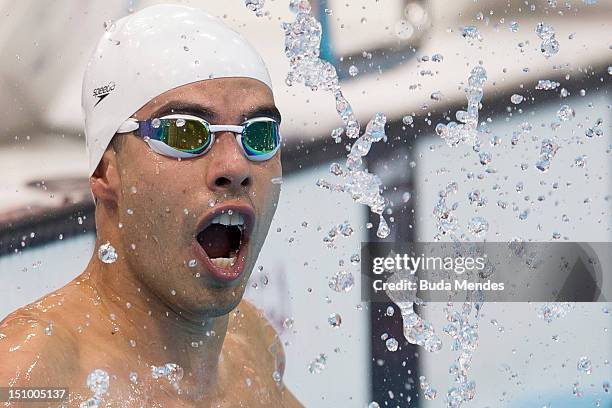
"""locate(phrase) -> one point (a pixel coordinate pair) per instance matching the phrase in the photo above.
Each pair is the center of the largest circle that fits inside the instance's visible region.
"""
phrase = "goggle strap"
(128, 126)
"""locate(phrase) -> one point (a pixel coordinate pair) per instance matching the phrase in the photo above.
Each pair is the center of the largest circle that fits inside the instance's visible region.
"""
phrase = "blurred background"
(409, 60)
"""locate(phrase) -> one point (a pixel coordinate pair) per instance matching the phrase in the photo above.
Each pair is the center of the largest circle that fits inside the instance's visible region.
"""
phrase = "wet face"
(193, 228)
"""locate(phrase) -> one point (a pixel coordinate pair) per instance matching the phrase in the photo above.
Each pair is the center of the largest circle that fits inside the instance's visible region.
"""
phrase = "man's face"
(173, 213)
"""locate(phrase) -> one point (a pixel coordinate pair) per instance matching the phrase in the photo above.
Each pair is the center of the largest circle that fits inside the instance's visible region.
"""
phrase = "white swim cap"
(147, 53)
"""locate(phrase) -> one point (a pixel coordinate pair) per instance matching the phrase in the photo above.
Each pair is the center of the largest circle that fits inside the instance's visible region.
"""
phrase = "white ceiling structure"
(45, 46)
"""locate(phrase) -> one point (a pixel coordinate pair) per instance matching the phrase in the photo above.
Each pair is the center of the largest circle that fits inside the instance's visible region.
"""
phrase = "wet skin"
(150, 307)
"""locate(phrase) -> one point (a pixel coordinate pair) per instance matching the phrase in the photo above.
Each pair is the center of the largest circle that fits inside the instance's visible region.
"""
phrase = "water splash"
(554, 310)
(302, 48)
(427, 392)
(363, 186)
(549, 45)
(418, 331)
(547, 152)
(466, 131)
(446, 221)
(547, 85)
(465, 339)
(345, 229)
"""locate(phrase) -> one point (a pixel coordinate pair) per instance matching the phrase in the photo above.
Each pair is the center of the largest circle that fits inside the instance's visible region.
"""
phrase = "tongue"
(216, 241)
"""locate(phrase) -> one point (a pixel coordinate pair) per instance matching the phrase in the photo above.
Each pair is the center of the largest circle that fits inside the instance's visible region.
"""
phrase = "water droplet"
(474, 197)
(276, 180)
(383, 228)
(514, 26)
(390, 311)
(580, 161)
(549, 45)
(584, 365)
(133, 377)
(318, 364)
(547, 85)
(471, 33)
(256, 6)
(98, 382)
(478, 226)
(288, 323)
(436, 96)
(342, 281)
(404, 30)
(170, 371)
(107, 253)
(334, 320)
(407, 120)
(392, 344)
(576, 391)
(156, 123)
(180, 122)
(109, 26)
(353, 70)
(516, 99)
(595, 130)
(554, 310)
(192, 263)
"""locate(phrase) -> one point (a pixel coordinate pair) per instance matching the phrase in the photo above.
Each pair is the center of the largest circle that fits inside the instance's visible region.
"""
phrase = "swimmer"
(184, 146)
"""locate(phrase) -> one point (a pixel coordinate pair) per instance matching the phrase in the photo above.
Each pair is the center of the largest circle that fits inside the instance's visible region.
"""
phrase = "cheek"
(267, 190)
(152, 208)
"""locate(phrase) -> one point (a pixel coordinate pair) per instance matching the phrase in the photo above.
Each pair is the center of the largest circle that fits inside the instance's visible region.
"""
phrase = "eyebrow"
(211, 115)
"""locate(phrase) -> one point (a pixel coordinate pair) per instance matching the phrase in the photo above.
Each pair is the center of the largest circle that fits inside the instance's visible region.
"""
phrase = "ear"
(105, 182)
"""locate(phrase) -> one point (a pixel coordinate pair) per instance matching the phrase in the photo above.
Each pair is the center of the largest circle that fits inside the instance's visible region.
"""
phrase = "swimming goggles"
(186, 136)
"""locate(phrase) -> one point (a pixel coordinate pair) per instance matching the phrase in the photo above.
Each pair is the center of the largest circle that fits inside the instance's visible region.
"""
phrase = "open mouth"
(222, 239)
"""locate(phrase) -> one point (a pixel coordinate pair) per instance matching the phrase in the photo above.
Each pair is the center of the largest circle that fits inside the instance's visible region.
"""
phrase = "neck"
(152, 331)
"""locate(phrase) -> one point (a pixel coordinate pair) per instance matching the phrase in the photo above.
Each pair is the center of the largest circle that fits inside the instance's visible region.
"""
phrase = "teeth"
(224, 262)
(236, 219)
(227, 219)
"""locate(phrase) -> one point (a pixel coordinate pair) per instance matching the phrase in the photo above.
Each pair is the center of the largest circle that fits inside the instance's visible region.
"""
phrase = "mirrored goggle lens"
(186, 135)
(260, 137)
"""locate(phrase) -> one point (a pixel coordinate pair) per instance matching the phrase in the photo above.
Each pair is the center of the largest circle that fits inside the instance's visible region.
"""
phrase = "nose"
(228, 169)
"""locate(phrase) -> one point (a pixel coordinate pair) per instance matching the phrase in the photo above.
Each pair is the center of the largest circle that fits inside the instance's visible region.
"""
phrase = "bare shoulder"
(34, 352)
(256, 325)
